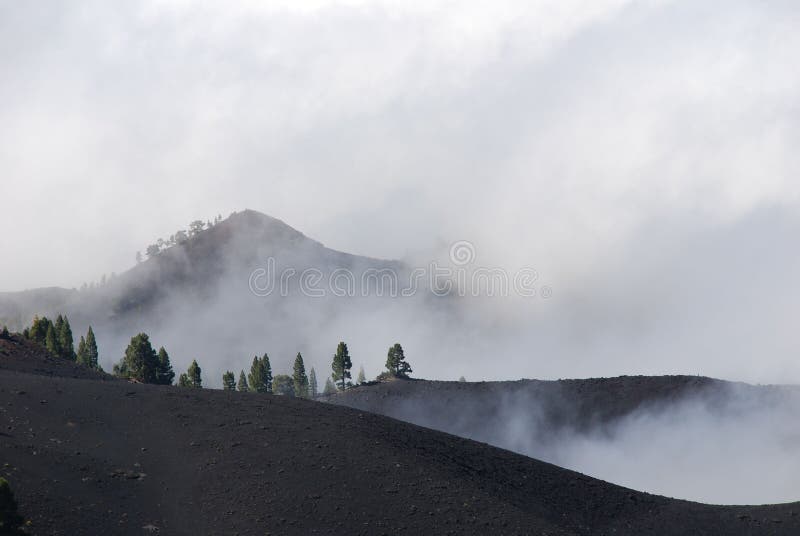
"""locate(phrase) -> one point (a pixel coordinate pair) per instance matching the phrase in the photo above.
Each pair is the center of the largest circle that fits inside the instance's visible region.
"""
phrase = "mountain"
(98, 456)
(235, 247)
(244, 286)
(547, 409)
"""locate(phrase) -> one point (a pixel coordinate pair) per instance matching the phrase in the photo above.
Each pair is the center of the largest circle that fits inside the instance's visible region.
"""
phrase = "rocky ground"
(87, 454)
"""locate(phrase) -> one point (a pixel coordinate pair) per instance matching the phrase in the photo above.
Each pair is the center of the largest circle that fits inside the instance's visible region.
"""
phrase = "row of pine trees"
(261, 380)
(57, 338)
(142, 363)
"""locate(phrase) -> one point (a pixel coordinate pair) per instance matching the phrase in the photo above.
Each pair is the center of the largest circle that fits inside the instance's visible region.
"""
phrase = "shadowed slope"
(96, 457)
(481, 410)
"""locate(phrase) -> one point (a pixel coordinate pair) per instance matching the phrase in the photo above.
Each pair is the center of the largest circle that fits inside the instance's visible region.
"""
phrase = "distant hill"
(536, 413)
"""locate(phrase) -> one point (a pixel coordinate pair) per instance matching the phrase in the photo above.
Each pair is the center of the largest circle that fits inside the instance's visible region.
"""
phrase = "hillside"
(687, 437)
(478, 409)
(110, 457)
(20, 355)
(215, 260)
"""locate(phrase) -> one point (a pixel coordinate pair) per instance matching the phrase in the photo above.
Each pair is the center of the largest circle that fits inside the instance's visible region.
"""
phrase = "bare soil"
(87, 454)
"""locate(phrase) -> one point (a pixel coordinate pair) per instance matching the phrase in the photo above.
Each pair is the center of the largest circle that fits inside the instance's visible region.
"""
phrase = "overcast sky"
(643, 156)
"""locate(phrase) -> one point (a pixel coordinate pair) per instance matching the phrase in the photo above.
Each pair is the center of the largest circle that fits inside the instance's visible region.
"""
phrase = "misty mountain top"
(195, 294)
(191, 264)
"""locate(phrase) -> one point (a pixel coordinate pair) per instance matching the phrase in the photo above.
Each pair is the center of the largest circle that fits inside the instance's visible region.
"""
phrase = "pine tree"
(361, 376)
(396, 362)
(80, 357)
(65, 341)
(229, 381)
(196, 227)
(283, 385)
(51, 341)
(140, 362)
(267, 372)
(165, 372)
(313, 388)
(183, 380)
(4, 334)
(29, 333)
(58, 325)
(260, 377)
(38, 330)
(341, 366)
(193, 373)
(242, 385)
(330, 388)
(92, 355)
(255, 379)
(299, 378)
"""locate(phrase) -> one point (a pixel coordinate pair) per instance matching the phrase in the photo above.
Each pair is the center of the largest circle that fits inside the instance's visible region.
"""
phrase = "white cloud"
(596, 141)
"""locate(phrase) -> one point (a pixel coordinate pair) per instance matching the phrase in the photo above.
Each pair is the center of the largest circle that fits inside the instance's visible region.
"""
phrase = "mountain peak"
(251, 224)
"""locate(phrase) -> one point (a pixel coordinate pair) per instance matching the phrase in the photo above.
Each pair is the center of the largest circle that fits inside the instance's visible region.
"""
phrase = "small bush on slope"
(10, 520)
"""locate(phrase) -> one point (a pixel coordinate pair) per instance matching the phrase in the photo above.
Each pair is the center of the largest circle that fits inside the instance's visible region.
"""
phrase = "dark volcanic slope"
(483, 410)
(21, 355)
(110, 457)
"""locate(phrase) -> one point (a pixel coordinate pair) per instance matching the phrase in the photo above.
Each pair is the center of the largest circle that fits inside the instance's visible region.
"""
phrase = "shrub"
(10, 520)
(282, 384)
(385, 376)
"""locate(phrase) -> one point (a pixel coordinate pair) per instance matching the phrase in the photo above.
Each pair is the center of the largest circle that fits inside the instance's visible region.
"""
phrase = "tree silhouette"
(260, 377)
(313, 388)
(80, 356)
(330, 388)
(341, 365)
(193, 375)
(140, 362)
(299, 378)
(165, 373)
(396, 362)
(229, 381)
(92, 355)
(196, 227)
(361, 376)
(65, 341)
(51, 341)
(283, 385)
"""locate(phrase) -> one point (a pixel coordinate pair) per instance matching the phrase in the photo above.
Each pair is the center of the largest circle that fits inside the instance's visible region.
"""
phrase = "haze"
(640, 156)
